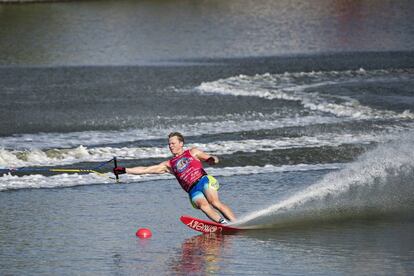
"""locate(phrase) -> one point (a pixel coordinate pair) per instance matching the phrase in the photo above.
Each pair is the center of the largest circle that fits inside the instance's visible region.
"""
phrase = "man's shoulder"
(194, 151)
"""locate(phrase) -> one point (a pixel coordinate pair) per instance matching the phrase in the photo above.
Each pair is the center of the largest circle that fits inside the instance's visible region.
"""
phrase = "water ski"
(207, 227)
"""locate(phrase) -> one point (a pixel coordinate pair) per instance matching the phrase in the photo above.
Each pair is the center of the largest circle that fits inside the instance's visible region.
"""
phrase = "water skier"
(186, 166)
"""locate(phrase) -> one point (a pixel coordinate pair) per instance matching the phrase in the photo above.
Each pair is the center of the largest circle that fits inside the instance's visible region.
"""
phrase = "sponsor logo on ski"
(199, 226)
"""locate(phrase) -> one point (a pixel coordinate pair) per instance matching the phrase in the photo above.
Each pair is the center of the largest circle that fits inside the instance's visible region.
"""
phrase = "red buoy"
(144, 233)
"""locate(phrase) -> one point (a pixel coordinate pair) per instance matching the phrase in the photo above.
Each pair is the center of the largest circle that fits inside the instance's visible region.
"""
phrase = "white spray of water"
(379, 183)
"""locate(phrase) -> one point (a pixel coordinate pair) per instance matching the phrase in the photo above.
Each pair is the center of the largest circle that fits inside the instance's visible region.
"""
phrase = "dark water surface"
(309, 105)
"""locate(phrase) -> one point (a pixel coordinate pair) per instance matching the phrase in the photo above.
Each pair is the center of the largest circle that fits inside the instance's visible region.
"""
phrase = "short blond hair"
(176, 134)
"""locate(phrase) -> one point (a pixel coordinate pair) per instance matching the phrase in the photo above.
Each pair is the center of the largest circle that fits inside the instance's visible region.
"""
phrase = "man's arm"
(155, 169)
(201, 155)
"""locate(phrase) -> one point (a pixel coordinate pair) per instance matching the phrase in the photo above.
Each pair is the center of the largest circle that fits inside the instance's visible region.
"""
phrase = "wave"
(12, 182)
(301, 87)
(58, 157)
(235, 123)
(379, 183)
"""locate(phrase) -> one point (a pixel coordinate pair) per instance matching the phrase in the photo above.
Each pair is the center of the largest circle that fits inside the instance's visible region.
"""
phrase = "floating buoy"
(144, 233)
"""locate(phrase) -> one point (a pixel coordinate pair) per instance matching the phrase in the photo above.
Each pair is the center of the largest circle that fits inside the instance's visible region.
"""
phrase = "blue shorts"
(203, 184)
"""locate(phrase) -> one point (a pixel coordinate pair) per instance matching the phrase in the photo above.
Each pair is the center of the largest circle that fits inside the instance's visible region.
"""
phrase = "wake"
(379, 184)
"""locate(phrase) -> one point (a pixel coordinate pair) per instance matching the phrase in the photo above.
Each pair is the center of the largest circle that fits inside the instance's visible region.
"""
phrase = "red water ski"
(207, 227)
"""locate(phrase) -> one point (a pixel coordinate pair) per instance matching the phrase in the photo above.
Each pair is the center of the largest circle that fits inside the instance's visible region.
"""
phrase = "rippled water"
(309, 106)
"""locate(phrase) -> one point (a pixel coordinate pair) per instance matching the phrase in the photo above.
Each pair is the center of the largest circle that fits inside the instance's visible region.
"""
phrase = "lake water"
(310, 107)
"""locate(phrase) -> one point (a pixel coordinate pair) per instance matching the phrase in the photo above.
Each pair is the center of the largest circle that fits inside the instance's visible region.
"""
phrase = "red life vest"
(187, 169)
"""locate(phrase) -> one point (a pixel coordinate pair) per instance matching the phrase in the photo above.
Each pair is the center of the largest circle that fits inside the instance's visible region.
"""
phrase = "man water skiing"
(186, 166)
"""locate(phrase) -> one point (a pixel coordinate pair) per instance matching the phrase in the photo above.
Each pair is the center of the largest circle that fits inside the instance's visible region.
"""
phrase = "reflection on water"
(201, 255)
(142, 32)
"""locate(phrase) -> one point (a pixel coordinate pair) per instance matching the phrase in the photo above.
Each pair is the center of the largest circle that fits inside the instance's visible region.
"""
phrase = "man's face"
(175, 145)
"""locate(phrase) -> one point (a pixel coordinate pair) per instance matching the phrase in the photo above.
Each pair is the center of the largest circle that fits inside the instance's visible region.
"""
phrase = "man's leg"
(203, 204)
(213, 199)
